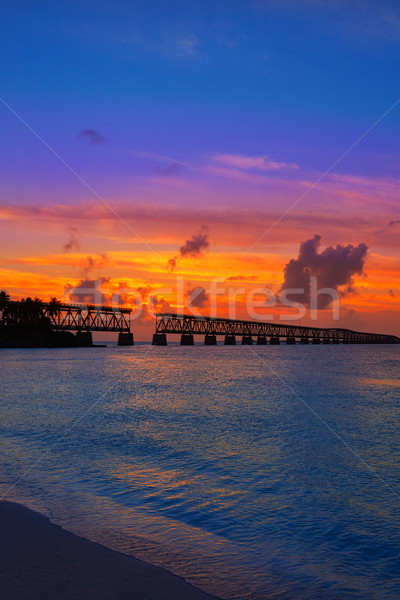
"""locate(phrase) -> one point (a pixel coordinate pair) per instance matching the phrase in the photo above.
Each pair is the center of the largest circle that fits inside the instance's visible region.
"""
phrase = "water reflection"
(202, 461)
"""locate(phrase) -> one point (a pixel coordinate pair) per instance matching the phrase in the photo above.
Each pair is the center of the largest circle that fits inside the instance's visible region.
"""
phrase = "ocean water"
(254, 472)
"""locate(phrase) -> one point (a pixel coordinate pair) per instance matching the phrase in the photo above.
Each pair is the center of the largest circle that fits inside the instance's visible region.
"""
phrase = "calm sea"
(254, 472)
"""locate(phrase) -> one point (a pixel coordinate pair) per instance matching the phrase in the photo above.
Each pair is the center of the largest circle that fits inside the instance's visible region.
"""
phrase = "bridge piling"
(247, 340)
(230, 340)
(84, 338)
(261, 340)
(159, 339)
(125, 339)
(210, 339)
(274, 339)
(187, 339)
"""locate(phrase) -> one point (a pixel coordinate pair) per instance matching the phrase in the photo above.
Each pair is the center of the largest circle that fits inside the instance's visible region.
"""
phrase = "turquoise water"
(255, 472)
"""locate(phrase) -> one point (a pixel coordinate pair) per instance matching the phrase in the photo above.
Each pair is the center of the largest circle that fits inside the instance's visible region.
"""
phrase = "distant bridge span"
(264, 332)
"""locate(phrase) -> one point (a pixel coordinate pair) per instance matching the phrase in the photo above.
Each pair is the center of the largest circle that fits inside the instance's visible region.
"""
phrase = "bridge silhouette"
(85, 318)
(264, 332)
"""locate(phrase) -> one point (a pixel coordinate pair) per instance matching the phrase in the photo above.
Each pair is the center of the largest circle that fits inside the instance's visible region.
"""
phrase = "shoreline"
(41, 560)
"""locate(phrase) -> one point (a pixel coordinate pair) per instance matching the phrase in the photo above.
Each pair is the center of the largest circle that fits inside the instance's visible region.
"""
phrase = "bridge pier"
(210, 339)
(326, 339)
(304, 339)
(290, 339)
(187, 339)
(84, 338)
(261, 340)
(316, 339)
(159, 339)
(335, 339)
(274, 339)
(125, 338)
(230, 340)
(247, 340)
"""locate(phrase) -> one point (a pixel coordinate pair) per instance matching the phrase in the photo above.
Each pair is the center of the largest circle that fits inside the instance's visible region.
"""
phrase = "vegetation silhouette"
(25, 324)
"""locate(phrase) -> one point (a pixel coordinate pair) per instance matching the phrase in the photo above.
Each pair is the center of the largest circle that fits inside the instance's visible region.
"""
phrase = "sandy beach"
(40, 560)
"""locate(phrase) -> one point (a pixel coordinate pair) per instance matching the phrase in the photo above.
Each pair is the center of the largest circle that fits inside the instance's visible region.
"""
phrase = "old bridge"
(87, 318)
(263, 332)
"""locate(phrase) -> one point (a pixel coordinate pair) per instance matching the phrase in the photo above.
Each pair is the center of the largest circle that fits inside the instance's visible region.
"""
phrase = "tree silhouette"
(4, 300)
(54, 307)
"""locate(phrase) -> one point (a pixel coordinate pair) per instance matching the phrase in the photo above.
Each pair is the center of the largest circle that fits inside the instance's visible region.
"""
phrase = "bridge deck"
(187, 324)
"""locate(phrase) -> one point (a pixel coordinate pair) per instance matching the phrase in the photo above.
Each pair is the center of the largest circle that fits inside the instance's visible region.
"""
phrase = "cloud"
(170, 169)
(160, 305)
(194, 247)
(95, 137)
(88, 263)
(172, 263)
(333, 268)
(391, 223)
(242, 278)
(392, 293)
(197, 297)
(88, 291)
(72, 242)
(260, 162)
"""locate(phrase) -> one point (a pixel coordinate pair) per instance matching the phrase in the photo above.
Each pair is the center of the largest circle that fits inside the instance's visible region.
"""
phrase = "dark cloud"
(88, 263)
(391, 223)
(72, 242)
(88, 291)
(333, 268)
(392, 293)
(242, 278)
(95, 137)
(195, 247)
(197, 297)
(170, 169)
(160, 305)
(172, 263)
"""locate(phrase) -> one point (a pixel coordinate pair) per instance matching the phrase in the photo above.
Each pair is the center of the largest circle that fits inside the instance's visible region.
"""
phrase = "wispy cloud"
(257, 162)
(72, 242)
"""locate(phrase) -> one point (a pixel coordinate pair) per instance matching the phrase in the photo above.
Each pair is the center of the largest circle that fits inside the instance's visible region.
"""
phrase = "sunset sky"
(145, 143)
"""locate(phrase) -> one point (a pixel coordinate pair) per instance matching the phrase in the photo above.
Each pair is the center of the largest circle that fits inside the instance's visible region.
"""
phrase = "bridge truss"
(73, 317)
(187, 325)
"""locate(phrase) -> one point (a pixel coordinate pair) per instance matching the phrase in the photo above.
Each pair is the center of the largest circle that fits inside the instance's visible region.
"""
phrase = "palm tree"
(4, 304)
(4, 300)
(31, 311)
(54, 307)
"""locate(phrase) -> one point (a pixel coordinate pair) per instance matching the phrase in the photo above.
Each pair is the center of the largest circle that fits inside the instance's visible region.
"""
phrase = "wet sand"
(40, 560)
